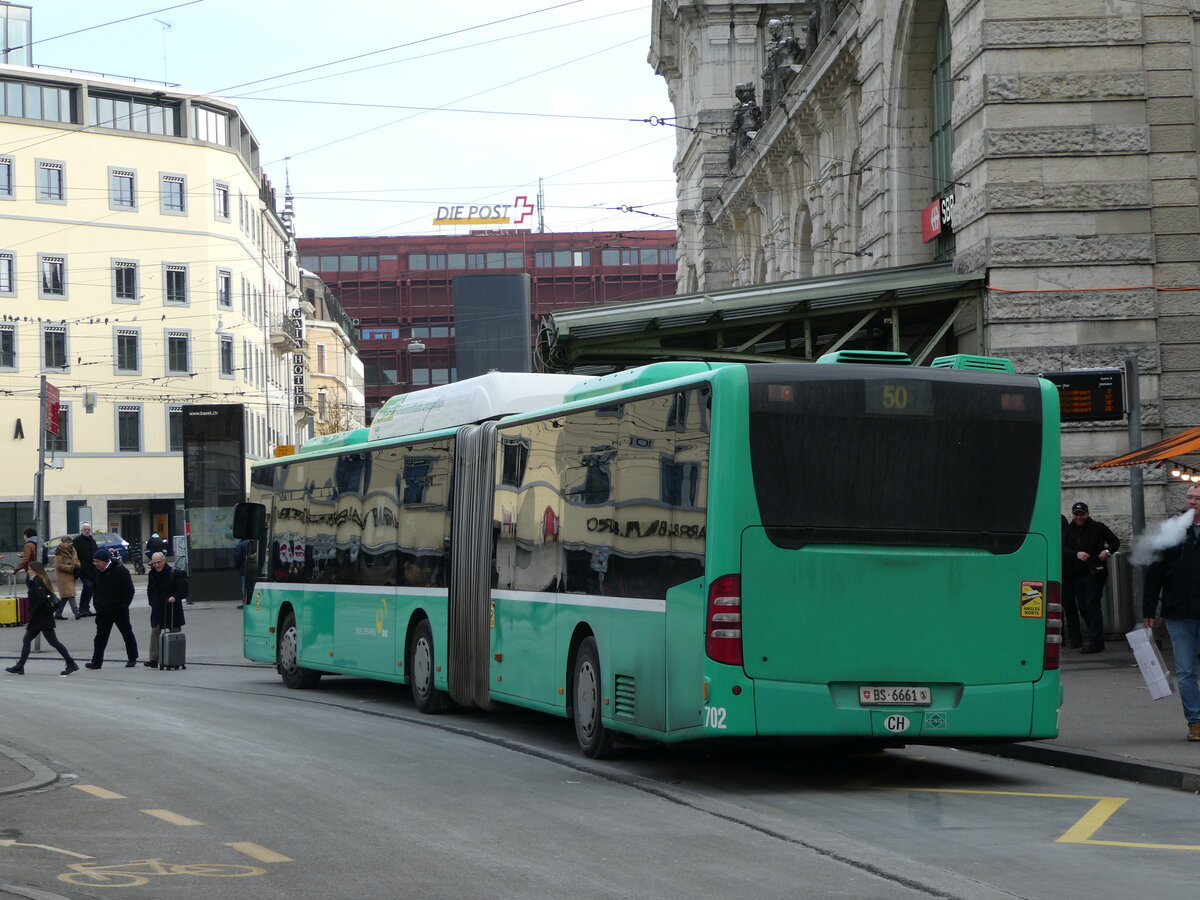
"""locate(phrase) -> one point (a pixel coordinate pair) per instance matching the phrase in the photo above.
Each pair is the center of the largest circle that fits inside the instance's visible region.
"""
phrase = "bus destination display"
(1095, 395)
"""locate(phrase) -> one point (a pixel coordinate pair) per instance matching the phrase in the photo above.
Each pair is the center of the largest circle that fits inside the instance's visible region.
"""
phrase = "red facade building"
(400, 289)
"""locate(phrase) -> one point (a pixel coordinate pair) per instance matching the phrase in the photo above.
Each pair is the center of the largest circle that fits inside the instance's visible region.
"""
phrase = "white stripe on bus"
(634, 604)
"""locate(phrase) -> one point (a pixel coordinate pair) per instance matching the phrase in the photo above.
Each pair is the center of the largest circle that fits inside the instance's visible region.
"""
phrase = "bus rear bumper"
(991, 712)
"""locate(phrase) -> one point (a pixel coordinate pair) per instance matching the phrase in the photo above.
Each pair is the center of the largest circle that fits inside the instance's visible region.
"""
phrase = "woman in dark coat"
(42, 605)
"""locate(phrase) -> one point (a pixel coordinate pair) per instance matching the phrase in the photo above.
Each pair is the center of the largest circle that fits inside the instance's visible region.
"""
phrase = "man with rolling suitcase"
(166, 589)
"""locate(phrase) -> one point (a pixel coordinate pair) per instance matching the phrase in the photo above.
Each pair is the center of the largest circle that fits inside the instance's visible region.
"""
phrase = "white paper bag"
(1150, 661)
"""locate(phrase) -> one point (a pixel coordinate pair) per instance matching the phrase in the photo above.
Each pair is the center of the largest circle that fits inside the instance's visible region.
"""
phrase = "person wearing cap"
(85, 548)
(1090, 544)
(114, 594)
(155, 545)
(1175, 575)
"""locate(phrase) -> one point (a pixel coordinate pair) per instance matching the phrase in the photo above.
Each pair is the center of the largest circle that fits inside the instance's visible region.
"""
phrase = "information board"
(1090, 395)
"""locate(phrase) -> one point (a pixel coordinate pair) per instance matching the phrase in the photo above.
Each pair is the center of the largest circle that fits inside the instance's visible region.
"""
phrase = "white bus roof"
(471, 400)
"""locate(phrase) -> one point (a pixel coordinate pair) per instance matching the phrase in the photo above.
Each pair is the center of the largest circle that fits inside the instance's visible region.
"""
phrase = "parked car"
(116, 545)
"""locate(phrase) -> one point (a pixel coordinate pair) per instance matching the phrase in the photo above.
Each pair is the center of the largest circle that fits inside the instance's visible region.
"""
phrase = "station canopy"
(910, 309)
(1168, 448)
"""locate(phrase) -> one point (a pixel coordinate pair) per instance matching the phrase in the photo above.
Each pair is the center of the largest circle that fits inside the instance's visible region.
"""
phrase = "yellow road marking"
(167, 816)
(1079, 833)
(11, 843)
(259, 852)
(102, 793)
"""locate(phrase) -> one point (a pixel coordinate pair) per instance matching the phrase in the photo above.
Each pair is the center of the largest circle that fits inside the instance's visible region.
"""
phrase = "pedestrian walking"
(166, 589)
(66, 570)
(1091, 543)
(1072, 632)
(1175, 579)
(114, 593)
(28, 553)
(85, 548)
(42, 604)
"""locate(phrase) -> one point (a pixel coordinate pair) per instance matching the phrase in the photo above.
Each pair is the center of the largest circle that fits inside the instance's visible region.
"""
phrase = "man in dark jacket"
(1176, 576)
(166, 589)
(114, 593)
(85, 547)
(1091, 543)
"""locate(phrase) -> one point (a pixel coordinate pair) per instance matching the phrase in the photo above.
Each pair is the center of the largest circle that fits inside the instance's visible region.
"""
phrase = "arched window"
(941, 137)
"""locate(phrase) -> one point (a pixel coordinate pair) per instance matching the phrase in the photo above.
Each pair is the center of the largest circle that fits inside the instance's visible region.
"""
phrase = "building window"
(121, 192)
(8, 347)
(941, 138)
(132, 113)
(175, 429)
(54, 348)
(210, 126)
(61, 442)
(7, 186)
(322, 406)
(225, 352)
(224, 289)
(129, 357)
(53, 277)
(175, 283)
(51, 182)
(129, 429)
(49, 103)
(125, 281)
(8, 274)
(320, 357)
(179, 353)
(174, 195)
(221, 201)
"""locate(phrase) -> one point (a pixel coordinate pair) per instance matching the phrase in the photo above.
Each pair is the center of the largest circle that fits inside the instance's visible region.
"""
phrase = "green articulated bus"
(863, 550)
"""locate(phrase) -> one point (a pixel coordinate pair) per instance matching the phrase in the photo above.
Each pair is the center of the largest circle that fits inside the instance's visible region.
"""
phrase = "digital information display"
(1090, 395)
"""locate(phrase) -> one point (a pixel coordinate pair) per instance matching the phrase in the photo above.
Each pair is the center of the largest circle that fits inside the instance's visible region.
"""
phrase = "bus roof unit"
(471, 400)
(868, 357)
(642, 376)
(965, 361)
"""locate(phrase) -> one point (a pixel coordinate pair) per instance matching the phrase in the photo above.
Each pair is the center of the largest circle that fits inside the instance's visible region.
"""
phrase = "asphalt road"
(348, 791)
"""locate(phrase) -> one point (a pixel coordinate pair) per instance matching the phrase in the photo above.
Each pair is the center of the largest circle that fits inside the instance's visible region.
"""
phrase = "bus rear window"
(895, 456)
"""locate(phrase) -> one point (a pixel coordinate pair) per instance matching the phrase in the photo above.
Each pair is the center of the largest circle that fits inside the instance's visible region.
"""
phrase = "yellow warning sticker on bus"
(1033, 599)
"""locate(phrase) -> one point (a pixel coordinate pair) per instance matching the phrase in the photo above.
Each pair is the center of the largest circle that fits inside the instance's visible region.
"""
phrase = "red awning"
(1177, 445)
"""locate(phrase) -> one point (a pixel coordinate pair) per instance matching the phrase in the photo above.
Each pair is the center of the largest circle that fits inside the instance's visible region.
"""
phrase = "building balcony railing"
(283, 333)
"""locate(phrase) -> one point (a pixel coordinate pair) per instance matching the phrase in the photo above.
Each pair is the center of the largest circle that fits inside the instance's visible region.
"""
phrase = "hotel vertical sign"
(298, 361)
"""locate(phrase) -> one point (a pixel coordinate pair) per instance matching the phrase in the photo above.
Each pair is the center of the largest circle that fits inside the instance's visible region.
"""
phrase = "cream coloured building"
(333, 369)
(143, 266)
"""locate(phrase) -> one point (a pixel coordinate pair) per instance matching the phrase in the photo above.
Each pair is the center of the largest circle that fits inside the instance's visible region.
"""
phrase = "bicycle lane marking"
(97, 791)
(167, 816)
(258, 852)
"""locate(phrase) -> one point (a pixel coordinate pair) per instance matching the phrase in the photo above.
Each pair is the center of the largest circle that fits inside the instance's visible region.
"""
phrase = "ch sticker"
(1033, 599)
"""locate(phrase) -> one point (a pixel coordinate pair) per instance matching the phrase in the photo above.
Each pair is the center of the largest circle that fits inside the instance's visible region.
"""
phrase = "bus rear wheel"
(287, 651)
(426, 697)
(586, 701)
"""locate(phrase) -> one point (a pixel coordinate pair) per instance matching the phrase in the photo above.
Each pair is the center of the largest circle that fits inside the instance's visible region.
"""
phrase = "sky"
(436, 105)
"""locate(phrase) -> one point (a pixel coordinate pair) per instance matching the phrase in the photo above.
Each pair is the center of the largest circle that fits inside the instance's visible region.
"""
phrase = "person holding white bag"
(1175, 576)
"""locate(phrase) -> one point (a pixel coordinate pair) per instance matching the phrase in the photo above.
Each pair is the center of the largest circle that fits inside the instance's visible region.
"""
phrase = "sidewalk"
(1108, 723)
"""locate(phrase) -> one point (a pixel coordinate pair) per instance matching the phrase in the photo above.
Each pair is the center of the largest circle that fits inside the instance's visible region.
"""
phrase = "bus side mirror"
(250, 521)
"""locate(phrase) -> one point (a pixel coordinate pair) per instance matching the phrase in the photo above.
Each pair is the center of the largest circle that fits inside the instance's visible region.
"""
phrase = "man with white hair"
(85, 547)
(1176, 577)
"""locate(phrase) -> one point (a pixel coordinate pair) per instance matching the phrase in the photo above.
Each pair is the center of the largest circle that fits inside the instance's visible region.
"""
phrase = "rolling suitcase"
(10, 611)
(172, 646)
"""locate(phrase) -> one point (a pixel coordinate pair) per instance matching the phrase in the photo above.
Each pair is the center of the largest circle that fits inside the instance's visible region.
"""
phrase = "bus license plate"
(883, 695)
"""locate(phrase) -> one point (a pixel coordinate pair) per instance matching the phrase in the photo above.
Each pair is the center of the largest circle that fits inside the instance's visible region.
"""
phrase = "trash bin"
(1119, 600)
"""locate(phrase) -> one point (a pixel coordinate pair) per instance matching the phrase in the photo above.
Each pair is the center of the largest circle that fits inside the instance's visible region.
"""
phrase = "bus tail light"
(724, 643)
(1054, 625)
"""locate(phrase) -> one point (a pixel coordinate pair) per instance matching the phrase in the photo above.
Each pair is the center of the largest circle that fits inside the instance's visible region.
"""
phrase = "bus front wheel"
(586, 695)
(286, 655)
(426, 697)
